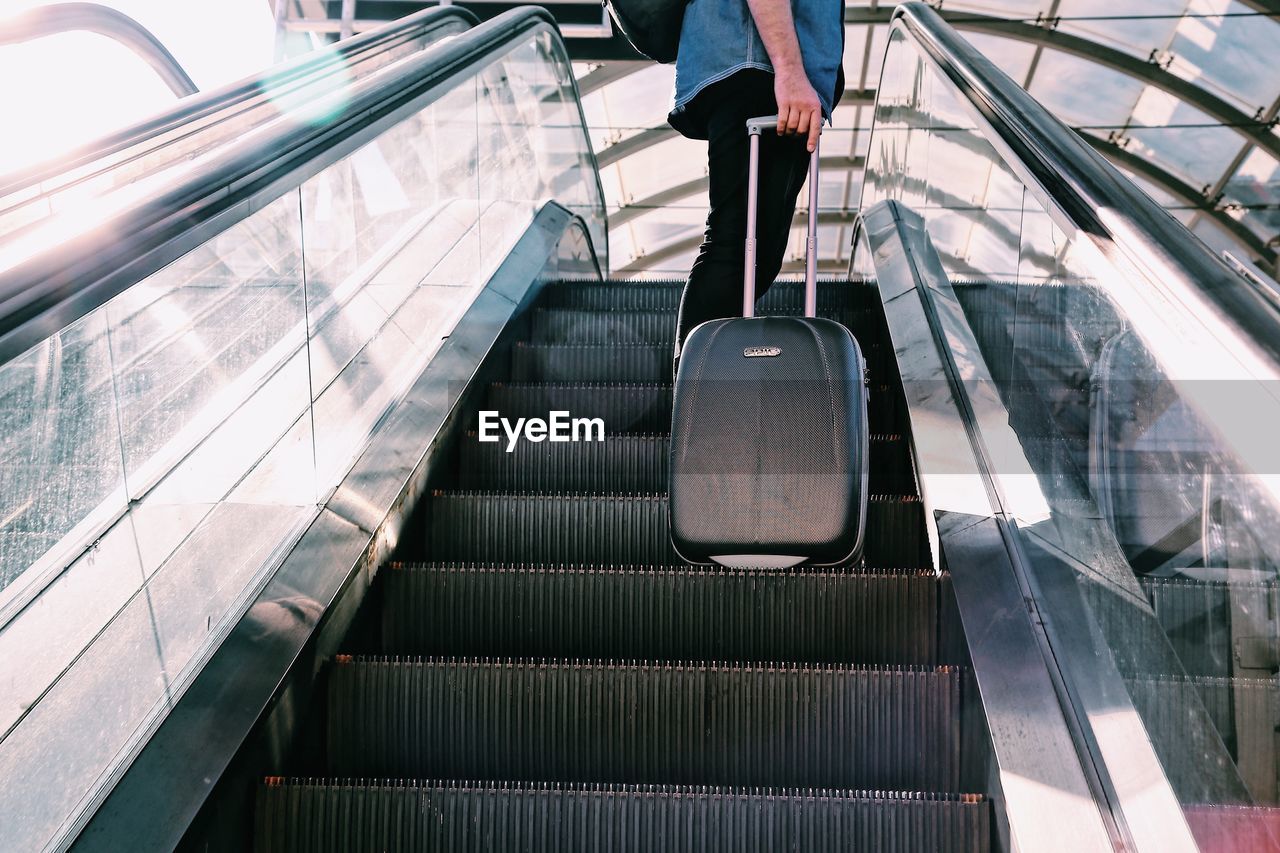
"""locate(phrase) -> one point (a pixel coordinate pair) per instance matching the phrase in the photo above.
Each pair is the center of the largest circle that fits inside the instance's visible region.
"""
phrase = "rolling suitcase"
(769, 427)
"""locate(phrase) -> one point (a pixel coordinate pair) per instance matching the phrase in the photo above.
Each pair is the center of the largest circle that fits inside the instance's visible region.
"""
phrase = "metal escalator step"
(657, 613)
(625, 463)
(1243, 712)
(351, 816)
(895, 533)
(572, 326)
(620, 463)
(554, 720)
(557, 529)
(485, 527)
(1197, 616)
(624, 408)
(665, 296)
(643, 363)
(635, 408)
(647, 363)
(1169, 696)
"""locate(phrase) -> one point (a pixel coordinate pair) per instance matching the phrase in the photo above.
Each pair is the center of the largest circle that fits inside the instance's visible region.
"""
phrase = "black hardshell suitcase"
(769, 428)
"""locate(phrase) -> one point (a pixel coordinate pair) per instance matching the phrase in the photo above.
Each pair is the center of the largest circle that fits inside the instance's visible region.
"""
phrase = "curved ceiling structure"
(1182, 95)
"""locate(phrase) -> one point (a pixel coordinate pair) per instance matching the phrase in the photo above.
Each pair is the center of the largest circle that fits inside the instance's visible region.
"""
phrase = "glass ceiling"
(1182, 95)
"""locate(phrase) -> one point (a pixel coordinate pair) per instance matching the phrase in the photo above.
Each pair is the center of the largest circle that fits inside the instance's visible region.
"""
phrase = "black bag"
(652, 26)
(769, 428)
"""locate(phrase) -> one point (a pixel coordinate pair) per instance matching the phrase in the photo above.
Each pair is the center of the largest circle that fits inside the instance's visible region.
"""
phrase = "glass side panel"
(163, 454)
(1134, 451)
(59, 447)
(280, 95)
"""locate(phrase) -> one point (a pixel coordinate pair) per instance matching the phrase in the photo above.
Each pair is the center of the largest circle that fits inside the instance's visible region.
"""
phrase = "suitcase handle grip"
(755, 127)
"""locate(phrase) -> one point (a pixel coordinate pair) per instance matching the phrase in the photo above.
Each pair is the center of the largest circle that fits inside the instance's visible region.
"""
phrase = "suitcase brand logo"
(761, 352)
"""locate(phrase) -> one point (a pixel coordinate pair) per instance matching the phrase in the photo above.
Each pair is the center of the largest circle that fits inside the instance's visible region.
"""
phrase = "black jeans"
(714, 288)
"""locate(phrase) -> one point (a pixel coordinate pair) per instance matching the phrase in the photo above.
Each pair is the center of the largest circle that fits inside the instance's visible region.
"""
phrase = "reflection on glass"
(161, 455)
(1144, 428)
(59, 451)
(280, 93)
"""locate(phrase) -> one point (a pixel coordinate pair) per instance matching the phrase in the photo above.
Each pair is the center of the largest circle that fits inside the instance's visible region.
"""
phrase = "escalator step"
(624, 408)
(1252, 700)
(648, 363)
(1197, 617)
(557, 529)
(626, 463)
(1243, 712)
(485, 527)
(644, 363)
(620, 463)
(895, 533)
(635, 408)
(665, 296)
(554, 720)
(658, 613)
(337, 816)
(569, 326)
(572, 326)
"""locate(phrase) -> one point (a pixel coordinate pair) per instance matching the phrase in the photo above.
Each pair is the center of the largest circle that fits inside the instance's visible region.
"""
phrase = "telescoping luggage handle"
(755, 127)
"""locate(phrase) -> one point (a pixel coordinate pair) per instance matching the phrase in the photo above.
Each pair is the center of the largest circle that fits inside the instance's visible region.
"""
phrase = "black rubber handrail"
(241, 94)
(1081, 184)
(59, 284)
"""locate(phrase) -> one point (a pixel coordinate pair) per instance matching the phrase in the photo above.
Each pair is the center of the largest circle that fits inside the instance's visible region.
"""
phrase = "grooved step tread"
(354, 816)
(570, 325)
(601, 695)
(618, 529)
(662, 613)
(562, 720)
(635, 407)
(627, 463)
(1197, 615)
(665, 296)
(634, 362)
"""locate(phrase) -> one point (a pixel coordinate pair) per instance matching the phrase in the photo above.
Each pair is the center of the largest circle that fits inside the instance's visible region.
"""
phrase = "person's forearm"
(778, 32)
(799, 110)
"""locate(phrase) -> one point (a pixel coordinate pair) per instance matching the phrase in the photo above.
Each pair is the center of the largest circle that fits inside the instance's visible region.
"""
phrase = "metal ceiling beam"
(1215, 192)
(1148, 72)
(1183, 191)
(680, 245)
(1004, 233)
(609, 72)
(637, 142)
(1254, 129)
(1039, 51)
(1266, 7)
(1117, 155)
(664, 197)
(613, 70)
(654, 135)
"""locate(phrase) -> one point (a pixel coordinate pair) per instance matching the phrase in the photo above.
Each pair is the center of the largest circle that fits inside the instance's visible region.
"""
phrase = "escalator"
(552, 676)
(271, 580)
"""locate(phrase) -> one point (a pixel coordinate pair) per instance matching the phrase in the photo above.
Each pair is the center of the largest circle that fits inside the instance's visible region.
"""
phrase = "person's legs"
(714, 287)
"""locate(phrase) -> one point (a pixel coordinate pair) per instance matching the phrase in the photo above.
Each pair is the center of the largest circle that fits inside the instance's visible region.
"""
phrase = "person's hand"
(799, 110)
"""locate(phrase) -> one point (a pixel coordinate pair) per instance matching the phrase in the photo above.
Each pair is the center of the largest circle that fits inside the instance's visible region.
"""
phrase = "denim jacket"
(719, 37)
